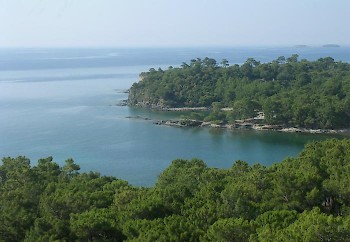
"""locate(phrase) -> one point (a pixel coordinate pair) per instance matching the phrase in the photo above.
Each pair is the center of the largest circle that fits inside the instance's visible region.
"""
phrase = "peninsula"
(290, 93)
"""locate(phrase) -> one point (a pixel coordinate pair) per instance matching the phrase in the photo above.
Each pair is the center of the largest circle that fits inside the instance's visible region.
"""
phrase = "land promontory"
(289, 92)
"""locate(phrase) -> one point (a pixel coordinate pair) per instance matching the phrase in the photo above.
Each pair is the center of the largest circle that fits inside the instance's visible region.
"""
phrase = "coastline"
(192, 123)
(255, 123)
(248, 126)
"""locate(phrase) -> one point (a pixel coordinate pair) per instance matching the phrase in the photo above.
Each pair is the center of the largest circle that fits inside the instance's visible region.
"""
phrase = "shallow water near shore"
(62, 103)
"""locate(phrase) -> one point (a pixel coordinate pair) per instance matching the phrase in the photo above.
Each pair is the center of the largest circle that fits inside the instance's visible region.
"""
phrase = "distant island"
(301, 46)
(286, 93)
(331, 45)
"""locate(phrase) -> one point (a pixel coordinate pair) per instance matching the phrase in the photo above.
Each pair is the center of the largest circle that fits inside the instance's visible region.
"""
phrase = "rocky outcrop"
(246, 125)
(122, 103)
(179, 123)
(252, 123)
(138, 117)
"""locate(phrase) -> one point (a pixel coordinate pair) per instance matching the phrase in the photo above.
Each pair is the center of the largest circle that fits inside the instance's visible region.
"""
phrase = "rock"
(291, 130)
(138, 117)
(205, 124)
(122, 103)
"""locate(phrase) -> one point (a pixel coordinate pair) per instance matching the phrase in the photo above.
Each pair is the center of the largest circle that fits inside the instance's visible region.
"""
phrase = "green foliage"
(269, 224)
(245, 108)
(316, 226)
(311, 94)
(230, 229)
(306, 198)
(96, 224)
(172, 228)
(19, 196)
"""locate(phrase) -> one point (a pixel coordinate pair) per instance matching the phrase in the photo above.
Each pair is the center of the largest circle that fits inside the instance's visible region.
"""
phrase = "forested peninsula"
(286, 92)
(306, 198)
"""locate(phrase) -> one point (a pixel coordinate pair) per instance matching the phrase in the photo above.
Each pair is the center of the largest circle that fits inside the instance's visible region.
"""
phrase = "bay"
(62, 103)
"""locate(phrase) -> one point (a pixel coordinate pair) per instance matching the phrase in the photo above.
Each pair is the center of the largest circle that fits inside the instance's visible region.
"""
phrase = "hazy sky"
(123, 23)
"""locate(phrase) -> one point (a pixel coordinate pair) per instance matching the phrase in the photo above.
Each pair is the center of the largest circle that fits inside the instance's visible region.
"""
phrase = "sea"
(63, 102)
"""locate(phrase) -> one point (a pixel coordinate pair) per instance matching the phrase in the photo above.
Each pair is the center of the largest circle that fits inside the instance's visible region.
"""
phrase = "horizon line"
(175, 46)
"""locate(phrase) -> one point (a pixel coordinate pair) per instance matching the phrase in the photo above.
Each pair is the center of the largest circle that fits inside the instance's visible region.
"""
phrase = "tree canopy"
(306, 198)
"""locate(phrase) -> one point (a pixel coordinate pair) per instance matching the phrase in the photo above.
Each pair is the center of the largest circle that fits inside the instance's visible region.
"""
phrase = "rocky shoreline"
(240, 125)
(246, 125)
(256, 123)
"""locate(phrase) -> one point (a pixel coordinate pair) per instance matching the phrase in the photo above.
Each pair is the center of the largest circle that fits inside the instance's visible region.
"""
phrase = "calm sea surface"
(62, 103)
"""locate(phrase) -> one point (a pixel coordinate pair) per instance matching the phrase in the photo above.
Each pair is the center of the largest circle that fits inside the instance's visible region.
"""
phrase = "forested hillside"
(300, 199)
(310, 94)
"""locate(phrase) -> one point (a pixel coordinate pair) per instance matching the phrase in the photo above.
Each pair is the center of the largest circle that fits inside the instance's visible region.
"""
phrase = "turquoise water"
(62, 103)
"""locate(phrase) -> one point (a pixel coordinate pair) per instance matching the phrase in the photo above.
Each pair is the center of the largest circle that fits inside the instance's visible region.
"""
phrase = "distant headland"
(330, 45)
(303, 95)
(301, 46)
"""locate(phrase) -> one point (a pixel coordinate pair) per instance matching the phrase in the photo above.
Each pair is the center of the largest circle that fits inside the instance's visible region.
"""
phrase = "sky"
(166, 23)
